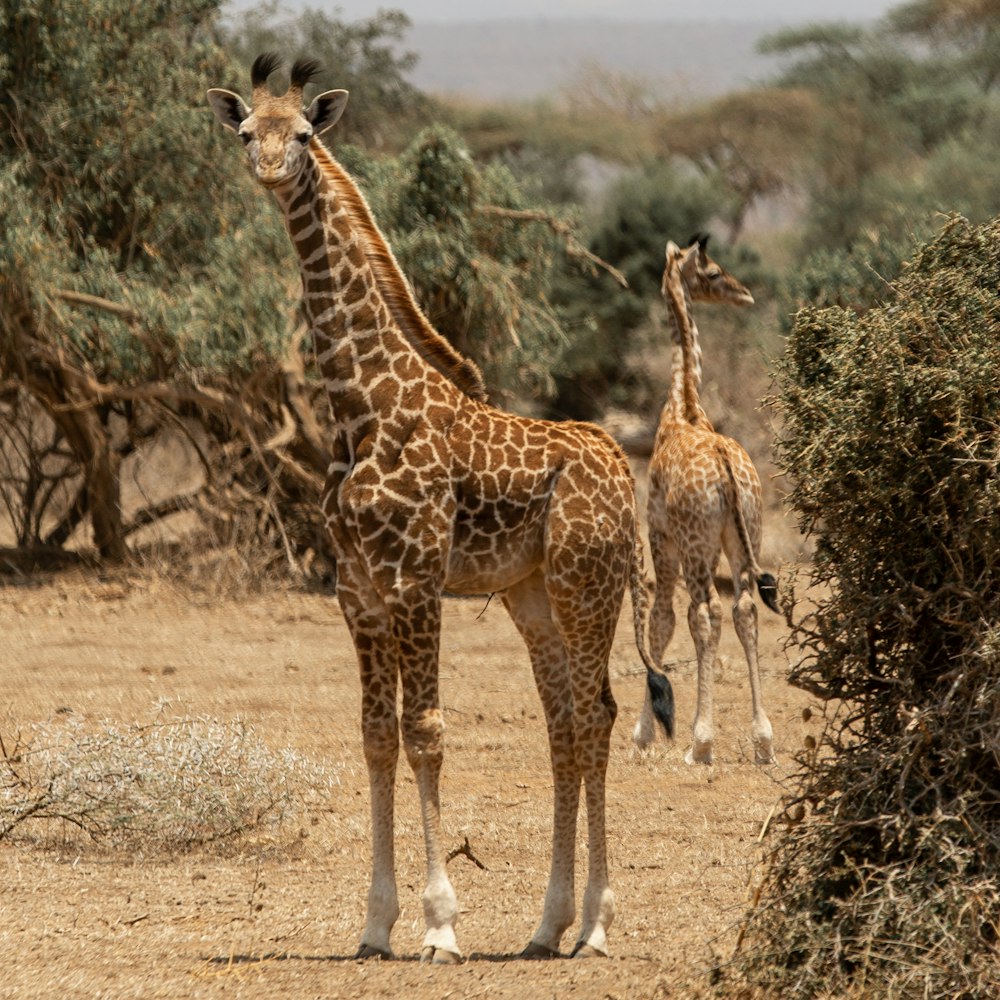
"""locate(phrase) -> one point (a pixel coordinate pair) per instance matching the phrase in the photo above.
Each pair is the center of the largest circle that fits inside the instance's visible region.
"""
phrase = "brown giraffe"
(704, 496)
(432, 488)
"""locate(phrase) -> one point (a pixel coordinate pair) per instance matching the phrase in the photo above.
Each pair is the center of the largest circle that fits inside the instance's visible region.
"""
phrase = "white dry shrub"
(170, 784)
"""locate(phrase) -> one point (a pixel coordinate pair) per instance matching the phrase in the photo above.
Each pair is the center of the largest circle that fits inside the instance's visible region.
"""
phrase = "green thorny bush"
(887, 879)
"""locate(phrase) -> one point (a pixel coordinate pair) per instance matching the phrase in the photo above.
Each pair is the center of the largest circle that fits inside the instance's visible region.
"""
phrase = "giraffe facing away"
(431, 488)
(704, 497)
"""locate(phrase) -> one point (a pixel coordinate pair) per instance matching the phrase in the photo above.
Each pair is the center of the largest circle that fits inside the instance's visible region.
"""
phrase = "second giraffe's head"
(703, 278)
(277, 130)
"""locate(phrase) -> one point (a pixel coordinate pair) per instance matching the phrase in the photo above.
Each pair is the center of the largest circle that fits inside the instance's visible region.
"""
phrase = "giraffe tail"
(767, 585)
(661, 692)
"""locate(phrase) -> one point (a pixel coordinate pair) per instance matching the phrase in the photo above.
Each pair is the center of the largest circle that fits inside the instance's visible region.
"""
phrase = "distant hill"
(519, 59)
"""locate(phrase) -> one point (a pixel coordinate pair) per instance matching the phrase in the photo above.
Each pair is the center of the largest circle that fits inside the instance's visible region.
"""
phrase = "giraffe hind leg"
(745, 623)
(586, 617)
(528, 605)
(705, 624)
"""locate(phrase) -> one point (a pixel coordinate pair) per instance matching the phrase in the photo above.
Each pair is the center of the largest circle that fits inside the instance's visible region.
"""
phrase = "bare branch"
(466, 850)
(573, 246)
(126, 313)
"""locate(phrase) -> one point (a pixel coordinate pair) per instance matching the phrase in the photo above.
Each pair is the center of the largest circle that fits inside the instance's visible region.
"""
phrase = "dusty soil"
(282, 917)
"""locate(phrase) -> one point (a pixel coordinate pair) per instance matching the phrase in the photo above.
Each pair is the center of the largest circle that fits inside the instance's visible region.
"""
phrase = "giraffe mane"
(415, 326)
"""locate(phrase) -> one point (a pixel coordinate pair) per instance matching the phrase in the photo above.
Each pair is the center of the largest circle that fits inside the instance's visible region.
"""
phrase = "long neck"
(684, 400)
(365, 274)
(350, 322)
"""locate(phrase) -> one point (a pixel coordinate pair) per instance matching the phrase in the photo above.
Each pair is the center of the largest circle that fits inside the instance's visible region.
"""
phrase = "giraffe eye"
(304, 137)
(246, 137)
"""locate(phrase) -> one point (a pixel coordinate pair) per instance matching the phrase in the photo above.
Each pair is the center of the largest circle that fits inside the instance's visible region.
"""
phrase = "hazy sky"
(656, 10)
(659, 10)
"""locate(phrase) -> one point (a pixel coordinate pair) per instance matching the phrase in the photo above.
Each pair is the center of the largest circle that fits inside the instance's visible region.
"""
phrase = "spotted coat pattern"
(432, 489)
(704, 498)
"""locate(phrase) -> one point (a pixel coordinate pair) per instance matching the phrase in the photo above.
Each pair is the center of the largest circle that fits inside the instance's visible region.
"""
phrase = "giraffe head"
(703, 278)
(277, 130)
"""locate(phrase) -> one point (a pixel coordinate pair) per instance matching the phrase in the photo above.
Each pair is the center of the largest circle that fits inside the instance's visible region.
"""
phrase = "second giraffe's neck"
(684, 400)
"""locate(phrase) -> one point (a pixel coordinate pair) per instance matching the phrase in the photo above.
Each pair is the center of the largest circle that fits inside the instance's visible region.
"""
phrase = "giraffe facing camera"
(431, 488)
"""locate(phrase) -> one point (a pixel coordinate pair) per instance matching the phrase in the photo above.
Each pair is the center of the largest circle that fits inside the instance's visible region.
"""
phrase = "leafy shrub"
(888, 880)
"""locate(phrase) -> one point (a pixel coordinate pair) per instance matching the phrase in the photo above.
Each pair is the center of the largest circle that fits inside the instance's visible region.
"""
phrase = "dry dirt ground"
(282, 917)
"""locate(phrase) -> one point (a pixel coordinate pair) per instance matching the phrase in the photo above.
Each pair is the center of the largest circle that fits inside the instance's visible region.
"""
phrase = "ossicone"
(263, 66)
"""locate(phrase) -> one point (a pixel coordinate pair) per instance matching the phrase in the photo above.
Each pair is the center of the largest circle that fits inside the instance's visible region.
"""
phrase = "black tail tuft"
(767, 587)
(662, 699)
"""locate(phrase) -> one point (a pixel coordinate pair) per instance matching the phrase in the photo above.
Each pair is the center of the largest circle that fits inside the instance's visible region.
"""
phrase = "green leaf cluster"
(905, 131)
(117, 182)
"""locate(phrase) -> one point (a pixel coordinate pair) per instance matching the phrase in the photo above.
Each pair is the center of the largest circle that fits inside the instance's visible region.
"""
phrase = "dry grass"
(170, 784)
(279, 912)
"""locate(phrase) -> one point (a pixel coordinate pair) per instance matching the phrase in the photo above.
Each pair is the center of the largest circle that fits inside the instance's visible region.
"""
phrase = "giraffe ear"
(326, 109)
(673, 250)
(229, 108)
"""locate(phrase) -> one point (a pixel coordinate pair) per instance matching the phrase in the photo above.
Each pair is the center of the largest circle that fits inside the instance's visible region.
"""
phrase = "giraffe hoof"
(367, 951)
(641, 737)
(699, 755)
(536, 951)
(581, 950)
(438, 956)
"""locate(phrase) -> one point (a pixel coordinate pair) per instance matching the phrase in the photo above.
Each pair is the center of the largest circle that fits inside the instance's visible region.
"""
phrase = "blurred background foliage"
(135, 249)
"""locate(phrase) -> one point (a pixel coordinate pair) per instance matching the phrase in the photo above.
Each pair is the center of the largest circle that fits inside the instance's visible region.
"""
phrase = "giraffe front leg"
(381, 745)
(423, 737)
(416, 624)
(367, 622)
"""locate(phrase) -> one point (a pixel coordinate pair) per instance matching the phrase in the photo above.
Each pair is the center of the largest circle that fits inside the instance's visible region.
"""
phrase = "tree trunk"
(63, 393)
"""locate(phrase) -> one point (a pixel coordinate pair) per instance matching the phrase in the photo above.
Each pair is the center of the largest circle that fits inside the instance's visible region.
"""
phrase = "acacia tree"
(751, 144)
(968, 31)
(120, 265)
(900, 127)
